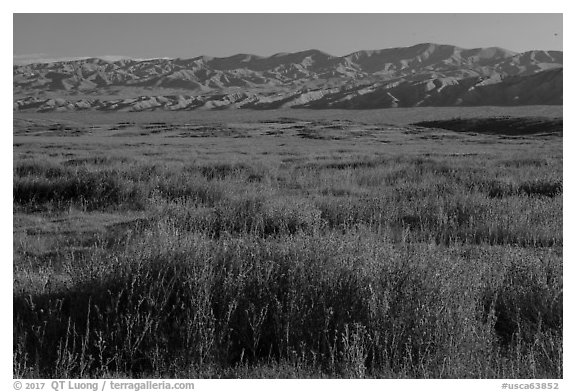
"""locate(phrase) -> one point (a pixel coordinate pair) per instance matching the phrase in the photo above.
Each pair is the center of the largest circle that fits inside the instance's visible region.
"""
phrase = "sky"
(45, 37)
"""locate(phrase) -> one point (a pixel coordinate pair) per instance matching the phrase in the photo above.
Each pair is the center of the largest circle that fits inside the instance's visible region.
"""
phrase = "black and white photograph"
(203, 196)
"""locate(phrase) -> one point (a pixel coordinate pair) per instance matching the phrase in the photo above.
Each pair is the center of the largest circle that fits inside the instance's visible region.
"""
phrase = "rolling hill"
(421, 75)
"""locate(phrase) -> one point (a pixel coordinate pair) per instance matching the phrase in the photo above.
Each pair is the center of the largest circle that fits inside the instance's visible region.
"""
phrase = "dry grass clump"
(348, 305)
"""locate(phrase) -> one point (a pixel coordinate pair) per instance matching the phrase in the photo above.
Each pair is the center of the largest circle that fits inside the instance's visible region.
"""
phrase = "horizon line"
(35, 59)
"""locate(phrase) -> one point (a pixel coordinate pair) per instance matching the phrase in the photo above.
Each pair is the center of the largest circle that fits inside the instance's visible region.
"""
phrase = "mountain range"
(421, 75)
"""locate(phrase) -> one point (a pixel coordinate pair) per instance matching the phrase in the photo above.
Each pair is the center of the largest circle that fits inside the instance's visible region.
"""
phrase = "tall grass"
(388, 267)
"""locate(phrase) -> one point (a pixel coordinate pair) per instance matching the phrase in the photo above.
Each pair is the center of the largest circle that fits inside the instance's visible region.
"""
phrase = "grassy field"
(291, 244)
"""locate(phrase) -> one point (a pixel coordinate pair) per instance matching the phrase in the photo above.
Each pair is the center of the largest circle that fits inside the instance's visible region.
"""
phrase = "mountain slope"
(421, 75)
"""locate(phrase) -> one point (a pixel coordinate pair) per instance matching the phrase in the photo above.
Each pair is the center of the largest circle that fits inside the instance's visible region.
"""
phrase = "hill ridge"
(426, 74)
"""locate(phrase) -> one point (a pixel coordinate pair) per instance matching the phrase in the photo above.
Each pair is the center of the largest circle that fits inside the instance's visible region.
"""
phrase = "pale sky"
(56, 36)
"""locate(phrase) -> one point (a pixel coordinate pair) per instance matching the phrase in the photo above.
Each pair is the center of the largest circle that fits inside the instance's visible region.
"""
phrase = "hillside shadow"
(510, 126)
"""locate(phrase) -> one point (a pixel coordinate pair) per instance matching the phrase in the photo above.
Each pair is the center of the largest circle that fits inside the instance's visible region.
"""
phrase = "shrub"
(92, 190)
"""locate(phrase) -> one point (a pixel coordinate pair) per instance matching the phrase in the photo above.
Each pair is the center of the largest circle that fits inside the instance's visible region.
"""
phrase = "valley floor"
(288, 244)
